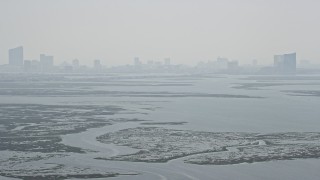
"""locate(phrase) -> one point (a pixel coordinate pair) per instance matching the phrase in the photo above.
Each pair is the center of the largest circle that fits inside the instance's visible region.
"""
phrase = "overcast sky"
(188, 31)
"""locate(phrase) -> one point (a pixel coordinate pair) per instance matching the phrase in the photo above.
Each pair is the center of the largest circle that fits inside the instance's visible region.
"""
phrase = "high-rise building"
(16, 56)
(46, 62)
(222, 63)
(285, 64)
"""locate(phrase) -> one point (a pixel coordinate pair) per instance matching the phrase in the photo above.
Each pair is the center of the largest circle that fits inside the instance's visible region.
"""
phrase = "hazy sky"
(188, 31)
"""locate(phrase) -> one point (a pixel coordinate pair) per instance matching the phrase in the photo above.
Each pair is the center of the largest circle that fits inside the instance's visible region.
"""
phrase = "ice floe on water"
(217, 148)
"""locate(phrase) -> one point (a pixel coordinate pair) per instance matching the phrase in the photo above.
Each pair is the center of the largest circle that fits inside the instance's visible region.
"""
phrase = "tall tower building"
(285, 64)
(16, 56)
(46, 62)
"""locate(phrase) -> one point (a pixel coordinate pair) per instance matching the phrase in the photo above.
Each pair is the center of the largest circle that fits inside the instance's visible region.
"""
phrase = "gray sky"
(188, 31)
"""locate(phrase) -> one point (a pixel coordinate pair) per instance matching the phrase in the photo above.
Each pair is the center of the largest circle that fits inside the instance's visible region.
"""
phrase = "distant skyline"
(187, 31)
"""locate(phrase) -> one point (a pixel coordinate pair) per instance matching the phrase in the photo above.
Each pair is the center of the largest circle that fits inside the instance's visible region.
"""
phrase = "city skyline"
(116, 31)
(165, 60)
(282, 64)
(159, 89)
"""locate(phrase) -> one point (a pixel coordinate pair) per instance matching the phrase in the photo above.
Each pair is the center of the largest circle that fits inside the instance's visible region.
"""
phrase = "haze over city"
(187, 31)
(159, 89)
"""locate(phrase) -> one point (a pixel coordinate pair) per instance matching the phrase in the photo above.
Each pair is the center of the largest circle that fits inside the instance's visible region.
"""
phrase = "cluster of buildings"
(283, 64)
(17, 61)
(150, 63)
(159, 66)
(221, 65)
